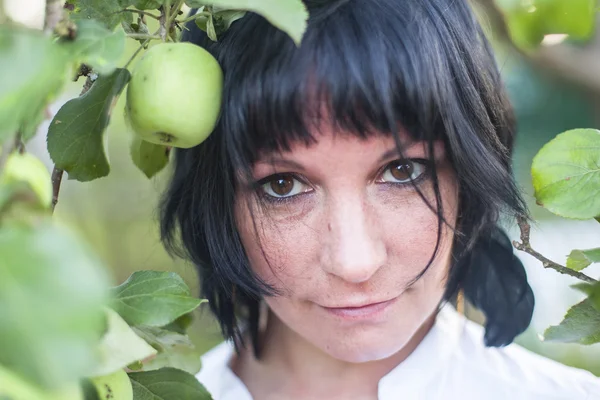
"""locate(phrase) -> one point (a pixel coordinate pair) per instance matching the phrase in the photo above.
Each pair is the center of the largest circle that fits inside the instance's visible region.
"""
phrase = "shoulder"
(515, 371)
(217, 377)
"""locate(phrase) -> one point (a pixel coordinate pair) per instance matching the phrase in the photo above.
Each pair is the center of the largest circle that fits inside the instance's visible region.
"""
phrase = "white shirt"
(451, 363)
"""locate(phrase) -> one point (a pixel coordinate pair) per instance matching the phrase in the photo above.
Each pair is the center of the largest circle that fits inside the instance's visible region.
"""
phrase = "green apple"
(31, 170)
(115, 386)
(13, 387)
(174, 96)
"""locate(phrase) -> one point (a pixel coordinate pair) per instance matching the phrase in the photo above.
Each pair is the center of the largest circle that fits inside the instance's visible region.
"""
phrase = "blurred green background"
(118, 215)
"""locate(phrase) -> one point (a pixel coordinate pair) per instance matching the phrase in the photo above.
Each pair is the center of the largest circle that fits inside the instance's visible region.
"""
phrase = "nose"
(353, 248)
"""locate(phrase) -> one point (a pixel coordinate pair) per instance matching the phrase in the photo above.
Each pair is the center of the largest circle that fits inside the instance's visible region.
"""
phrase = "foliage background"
(117, 214)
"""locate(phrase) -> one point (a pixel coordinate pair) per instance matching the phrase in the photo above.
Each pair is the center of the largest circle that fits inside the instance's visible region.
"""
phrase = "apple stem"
(134, 55)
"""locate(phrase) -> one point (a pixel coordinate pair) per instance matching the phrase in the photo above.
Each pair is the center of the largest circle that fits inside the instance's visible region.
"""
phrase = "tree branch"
(547, 263)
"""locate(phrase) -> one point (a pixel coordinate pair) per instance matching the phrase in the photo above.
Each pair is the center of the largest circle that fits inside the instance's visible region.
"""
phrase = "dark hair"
(370, 64)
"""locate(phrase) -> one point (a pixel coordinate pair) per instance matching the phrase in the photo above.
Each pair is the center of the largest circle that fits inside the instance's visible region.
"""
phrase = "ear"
(495, 282)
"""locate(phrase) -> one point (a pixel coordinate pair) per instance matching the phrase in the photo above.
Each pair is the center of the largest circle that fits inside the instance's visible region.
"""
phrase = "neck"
(289, 365)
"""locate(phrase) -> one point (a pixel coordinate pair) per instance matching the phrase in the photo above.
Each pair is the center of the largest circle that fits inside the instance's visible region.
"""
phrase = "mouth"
(362, 312)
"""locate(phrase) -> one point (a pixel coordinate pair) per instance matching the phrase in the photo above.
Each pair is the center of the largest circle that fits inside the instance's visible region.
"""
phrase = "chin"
(361, 350)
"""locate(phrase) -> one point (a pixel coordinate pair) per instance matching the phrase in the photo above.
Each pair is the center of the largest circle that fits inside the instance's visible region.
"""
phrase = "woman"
(352, 187)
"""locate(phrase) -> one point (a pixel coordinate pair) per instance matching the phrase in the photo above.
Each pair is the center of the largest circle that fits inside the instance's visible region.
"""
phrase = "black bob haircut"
(371, 64)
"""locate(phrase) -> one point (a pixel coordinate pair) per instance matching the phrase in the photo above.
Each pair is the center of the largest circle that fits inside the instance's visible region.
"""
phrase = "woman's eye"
(283, 186)
(403, 171)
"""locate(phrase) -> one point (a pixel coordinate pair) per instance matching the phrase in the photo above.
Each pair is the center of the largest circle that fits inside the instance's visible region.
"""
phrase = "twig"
(142, 36)
(57, 173)
(164, 16)
(134, 55)
(547, 263)
(54, 14)
(140, 12)
(175, 13)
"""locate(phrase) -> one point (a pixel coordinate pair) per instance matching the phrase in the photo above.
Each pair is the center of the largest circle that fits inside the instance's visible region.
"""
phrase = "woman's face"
(342, 233)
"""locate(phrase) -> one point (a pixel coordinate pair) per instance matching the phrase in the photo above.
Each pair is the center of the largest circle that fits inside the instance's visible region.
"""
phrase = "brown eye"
(403, 171)
(283, 186)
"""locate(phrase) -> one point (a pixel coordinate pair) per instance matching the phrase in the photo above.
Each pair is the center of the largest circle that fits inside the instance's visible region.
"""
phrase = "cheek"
(277, 251)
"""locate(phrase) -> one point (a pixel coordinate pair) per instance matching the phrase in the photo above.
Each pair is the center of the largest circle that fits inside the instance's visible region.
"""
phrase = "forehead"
(330, 148)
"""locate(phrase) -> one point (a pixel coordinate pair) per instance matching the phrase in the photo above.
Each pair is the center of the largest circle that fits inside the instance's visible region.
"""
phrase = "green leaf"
(174, 350)
(593, 292)
(76, 134)
(52, 293)
(210, 28)
(167, 384)
(580, 259)
(580, 325)
(120, 346)
(108, 12)
(37, 69)
(566, 174)
(97, 46)
(289, 16)
(150, 158)
(153, 298)
(181, 324)
(529, 21)
(139, 27)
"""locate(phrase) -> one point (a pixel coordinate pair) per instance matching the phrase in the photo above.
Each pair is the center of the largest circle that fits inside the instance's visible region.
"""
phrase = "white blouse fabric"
(451, 363)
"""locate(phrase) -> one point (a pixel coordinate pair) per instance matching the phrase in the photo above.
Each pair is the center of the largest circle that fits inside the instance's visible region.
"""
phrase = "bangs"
(364, 67)
(359, 72)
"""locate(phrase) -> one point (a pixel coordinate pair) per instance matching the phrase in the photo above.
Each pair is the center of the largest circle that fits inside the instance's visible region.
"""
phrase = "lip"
(365, 312)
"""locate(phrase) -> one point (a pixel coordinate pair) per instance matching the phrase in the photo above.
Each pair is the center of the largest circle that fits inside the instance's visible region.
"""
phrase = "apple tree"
(66, 333)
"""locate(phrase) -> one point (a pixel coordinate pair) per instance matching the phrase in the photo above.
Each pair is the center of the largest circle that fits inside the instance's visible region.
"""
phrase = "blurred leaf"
(14, 387)
(105, 11)
(174, 350)
(288, 15)
(120, 346)
(167, 384)
(153, 298)
(97, 46)
(150, 158)
(37, 70)
(580, 259)
(580, 325)
(148, 4)
(76, 134)
(52, 294)
(569, 163)
(529, 21)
